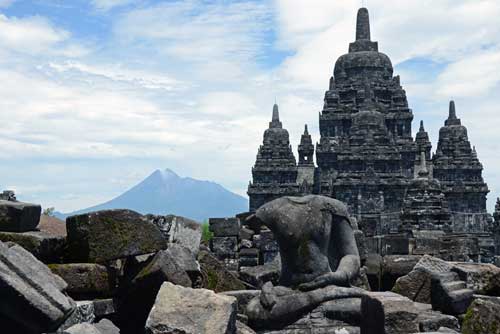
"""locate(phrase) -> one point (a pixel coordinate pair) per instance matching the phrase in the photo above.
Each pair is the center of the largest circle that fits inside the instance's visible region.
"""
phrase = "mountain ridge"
(165, 192)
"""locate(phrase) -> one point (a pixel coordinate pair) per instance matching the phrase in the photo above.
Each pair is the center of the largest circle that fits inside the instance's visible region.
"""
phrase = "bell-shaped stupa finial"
(363, 25)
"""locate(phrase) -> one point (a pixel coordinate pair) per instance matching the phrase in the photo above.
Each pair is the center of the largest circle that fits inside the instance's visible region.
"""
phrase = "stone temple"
(402, 195)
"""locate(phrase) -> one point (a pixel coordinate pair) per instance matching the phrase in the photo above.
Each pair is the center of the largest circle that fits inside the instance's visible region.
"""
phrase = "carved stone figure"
(319, 258)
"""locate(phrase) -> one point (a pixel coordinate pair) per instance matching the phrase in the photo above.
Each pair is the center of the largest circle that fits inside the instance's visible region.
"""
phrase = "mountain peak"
(165, 174)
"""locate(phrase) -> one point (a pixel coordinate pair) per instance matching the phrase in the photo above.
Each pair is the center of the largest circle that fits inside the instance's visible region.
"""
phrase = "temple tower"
(275, 170)
(456, 166)
(366, 154)
(306, 167)
(425, 206)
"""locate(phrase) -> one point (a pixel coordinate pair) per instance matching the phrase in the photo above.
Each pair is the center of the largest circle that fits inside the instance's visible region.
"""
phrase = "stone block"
(104, 308)
(246, 233)
(111, 234)
(107, 327)
(224, 246)
(224, 227)
(18, 216)
(84, 328)
(45, 247)
(396, 266)
(185, 232)
(138, 296)
(482, 317)
(482, 278)
(83, 313)
(216, 276)
(176, 307)
(388, 313)
(85, 280)
(416, 286)
(257, 276)
(432, 321)
(243, 297)
(31, 295)
(448, 294)
(186, 260)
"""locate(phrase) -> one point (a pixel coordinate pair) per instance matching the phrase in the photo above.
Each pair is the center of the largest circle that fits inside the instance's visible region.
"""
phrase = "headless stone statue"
(319, 258)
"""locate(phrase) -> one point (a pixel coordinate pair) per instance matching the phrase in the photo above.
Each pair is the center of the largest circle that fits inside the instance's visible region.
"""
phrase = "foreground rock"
(45, 247)
(19, 217)
(191, 311)
(387, 312)
(257, 276)
(137, 298)
(112, 234)
(180, 230)
(482, 317)
(85, 280)
(417, 284)
(482, 278)
(30, 294)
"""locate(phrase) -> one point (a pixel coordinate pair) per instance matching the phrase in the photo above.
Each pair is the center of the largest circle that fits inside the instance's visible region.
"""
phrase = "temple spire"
(453, 112)
(306, 132)
(422, 129)
(452, 115)
(275, 121)
(363, 25)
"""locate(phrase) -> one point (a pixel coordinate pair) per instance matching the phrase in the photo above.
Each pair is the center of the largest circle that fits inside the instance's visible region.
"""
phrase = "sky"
(98, 94)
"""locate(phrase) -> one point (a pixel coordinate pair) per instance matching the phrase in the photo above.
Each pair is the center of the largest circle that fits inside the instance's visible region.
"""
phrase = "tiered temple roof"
(425, 206)
(456, 166)
(366, 154)
(275, 170)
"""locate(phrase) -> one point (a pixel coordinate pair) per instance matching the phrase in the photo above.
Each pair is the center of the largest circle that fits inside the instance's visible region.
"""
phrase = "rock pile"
(121, 272)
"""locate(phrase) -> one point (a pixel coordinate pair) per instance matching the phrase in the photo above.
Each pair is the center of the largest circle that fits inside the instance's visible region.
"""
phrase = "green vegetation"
(49, 212)
(206, 235)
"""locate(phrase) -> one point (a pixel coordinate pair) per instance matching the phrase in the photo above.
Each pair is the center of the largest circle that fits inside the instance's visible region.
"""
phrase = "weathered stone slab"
(185, 232)
(107, 327)
(191, 311)
(85, 280)
(257, 276)
(482, 278)
(450, 295)
(139, 296)
(224, 227)
(31, 295)
(111, 234)
(215, 275)
(224, 246)
(84, 328)
(433, 264)
(416, 286)
(45, 247)
(104, 307)
(83, 313)
(185, 259)
(396, 266)
(19, 216)
(482, 317)
(432, 321)
(388, 313)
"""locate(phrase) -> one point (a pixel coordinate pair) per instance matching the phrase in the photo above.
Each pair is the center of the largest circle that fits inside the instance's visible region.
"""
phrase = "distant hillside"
(164, 192)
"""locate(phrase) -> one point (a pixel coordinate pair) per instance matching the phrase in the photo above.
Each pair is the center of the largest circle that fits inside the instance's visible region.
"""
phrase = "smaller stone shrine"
(275, 173)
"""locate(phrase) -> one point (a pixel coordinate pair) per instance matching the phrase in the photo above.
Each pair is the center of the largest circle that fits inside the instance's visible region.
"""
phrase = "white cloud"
(185, 85)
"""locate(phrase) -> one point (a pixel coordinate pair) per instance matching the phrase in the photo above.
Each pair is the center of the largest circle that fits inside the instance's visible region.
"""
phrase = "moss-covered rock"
(215, 275)
(111, 234)
(46, 248)
(482, 317)
(85, 280)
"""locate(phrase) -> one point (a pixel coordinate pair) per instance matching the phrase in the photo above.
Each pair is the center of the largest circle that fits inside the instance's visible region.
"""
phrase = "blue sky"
(97, 94)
